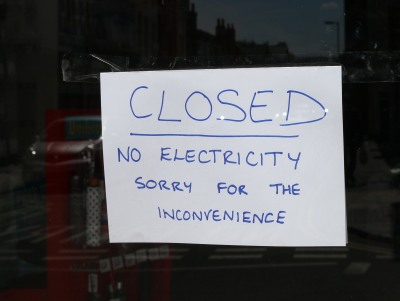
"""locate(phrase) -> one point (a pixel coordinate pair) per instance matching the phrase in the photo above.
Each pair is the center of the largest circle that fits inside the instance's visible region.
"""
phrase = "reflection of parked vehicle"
(69, 145)
(66, 144)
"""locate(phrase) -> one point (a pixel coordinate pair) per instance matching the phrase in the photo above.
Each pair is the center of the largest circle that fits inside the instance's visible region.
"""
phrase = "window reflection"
(45, 64)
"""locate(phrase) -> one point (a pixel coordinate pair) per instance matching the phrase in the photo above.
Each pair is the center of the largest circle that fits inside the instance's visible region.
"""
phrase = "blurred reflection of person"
(353, 140)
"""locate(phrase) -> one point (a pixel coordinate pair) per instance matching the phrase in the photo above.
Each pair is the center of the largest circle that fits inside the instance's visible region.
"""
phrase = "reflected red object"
(68, 263)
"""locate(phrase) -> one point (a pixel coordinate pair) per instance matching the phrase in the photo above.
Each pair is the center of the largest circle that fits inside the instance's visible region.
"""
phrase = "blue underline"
(212, 136)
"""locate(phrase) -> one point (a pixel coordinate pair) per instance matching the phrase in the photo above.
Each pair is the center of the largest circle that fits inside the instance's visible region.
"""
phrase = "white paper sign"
(225, 156)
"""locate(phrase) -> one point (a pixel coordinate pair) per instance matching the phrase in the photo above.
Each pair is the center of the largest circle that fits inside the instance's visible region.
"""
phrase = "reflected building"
(264, 49)
(177, 28)
(36, 35)
(103, 27)
(224, 43)
(225, 38)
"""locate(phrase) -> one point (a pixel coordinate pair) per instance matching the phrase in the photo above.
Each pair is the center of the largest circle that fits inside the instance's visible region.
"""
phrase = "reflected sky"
(301, 24)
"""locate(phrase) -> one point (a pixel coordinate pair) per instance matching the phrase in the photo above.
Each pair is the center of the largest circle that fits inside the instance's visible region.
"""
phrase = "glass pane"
(54, 241)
